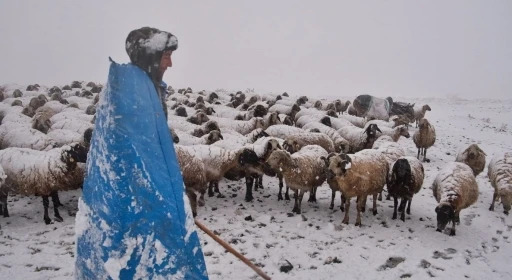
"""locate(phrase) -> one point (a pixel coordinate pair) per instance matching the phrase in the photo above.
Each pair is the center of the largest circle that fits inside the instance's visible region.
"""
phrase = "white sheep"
(302, 171)
(194, 176)
(25, 137)
(500, 176)
(76, 125)
(282, 131)
(294, 142)
(31, 172)
(454, 188)
(357, 121)
(207, 139)
(394, 133)
(474, 157)
(359, 175)
(242, 127)
(405, 179)
(340, 143)
(359, 138)
(424, 138)
(419, 113)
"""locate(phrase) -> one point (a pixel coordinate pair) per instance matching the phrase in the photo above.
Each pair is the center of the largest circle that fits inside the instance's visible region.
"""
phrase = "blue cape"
(134, 219)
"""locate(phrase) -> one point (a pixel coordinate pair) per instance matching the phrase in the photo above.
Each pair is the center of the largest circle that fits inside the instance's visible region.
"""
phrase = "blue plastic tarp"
(134, 219)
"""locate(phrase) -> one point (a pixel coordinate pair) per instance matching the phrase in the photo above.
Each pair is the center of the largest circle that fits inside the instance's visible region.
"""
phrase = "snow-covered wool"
(500, 175)
(302, 171)
(15, 117)
(391, 123)
(419, 113)
(284, 109)
(234, 140)
(294, 142)
(65, 137)
(354, 120)
(25, 137)
(271, 119)
(424, 138)
(454, 188)
(42, 119)
(282, 131)
(474, 157)
(359, 175)
(394, 133)
(198, 118)
(76, 125)
(31, 172)
(242, 127)
(359, 138)
(71, 113)
(3, 195)
(194, 177)
(404, 181)
(340, 143)
(302, 121)
(308, 111)
(208, 139)
(56, 106)
(286, 102)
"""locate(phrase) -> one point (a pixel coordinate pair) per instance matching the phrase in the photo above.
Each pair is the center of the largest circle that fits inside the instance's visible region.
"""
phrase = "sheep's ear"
(264, 133)
(326, 162)
(278, 118)
(269, 146)
(296, 145)
(437, 209)
(220, 136)
(377, 128)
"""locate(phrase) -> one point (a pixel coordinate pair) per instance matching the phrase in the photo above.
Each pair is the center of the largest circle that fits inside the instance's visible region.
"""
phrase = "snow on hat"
(146, 45)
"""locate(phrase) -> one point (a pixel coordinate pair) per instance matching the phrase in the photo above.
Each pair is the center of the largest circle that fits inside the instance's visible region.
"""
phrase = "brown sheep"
(424, 138)
(474, 157)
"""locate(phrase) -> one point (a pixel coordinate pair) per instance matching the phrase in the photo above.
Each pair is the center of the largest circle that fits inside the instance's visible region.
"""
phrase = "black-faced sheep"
(301, 171)
(455, 189)
(474, 157)
(500, 175)
(404, 181)
(359, 138)
(424, 138)
(31, 172)
(359, 175)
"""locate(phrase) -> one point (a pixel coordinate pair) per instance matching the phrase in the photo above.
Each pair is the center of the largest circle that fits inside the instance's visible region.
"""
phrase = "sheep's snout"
(330, 175)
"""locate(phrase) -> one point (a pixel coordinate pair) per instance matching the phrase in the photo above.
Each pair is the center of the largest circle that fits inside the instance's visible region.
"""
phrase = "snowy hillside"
(315, 242)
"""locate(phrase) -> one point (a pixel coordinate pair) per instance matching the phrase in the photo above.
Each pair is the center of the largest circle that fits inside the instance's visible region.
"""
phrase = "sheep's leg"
(210, 189)
(332, 199)
(216, 189)
(312, 195)
(402, 205)
(200, 202)
(296, 206)
(260, 181)
(56, 202)
(380, 196)
(494, 196)
(280, 195)
(358, 207)
(192, 197)
(425, 159)
(343, 200)
(286, 195)
(395, 198)
(457, 218)
(46, 204)
(375, 203)
(347, 208)
(301, 195)
(256, 183)
(452, 231)
(409, 206)
(363, 203)
(419, 153)
(3, 204)
(248, 192)
(55, 199)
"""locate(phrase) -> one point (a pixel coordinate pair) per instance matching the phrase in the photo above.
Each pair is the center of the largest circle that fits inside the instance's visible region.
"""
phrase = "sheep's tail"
(232, 251)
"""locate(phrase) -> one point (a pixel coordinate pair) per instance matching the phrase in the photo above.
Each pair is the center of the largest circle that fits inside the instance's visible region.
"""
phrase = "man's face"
(166, 61)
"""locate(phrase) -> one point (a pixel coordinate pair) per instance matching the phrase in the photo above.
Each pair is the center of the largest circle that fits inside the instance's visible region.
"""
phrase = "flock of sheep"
(45, 134)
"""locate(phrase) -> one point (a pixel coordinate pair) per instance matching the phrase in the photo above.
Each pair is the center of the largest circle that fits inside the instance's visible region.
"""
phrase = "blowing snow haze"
(324, 49)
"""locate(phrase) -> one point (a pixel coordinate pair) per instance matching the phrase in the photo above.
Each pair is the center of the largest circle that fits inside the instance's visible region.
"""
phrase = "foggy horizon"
(324, 49)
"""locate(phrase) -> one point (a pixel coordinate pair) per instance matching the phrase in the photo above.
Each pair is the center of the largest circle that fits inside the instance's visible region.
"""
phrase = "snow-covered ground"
(316, 243)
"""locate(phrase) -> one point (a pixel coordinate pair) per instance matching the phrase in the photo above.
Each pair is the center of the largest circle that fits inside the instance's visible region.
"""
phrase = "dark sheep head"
(445, 214)
(331, 106)
(17, 93)
(326, 121)
(214, 136)
(285, 94)
(88, 136)
(181, 111)
(200, 99)
(73, 105)
(295, 108)
(42, 98)
(211, 125)
(244, 107)
(260, 111)
(424, 124)
(300, 101)
(259, 135)
(318, 105)
(288, 121)
(315, 130)
(239, 117)
(200, 105)
(278, 97)
(64, 101)
(326, 160)
(17, 103)
(371, 131)
(57, 96)
(291, 146)
(473, 151)
(331, 113)
(74, 153)
(91, 110)
(339, 165)
(248, 157)
(210, 111)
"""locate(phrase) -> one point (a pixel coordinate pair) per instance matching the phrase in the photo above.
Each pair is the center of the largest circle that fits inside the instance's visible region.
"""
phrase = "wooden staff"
(232, 251)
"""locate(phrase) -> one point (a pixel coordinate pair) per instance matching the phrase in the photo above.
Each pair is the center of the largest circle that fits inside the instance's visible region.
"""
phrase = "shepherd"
(134, 219)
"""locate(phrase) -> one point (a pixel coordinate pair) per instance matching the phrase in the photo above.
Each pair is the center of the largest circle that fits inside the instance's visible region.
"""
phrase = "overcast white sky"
(324, 48)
